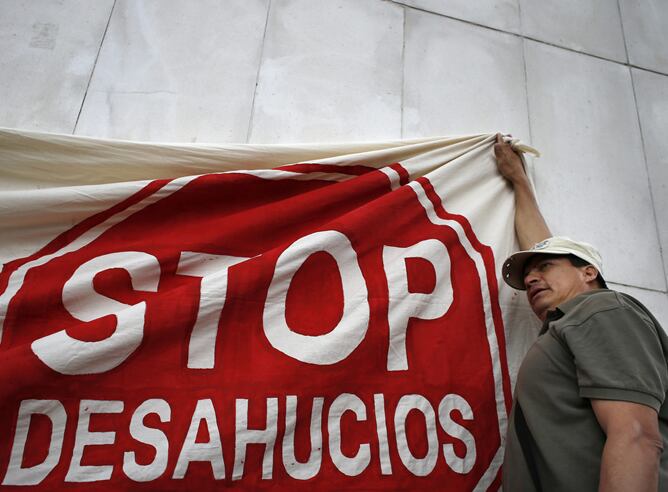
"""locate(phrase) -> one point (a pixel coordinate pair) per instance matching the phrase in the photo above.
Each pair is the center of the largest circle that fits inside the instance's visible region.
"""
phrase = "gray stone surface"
(448, 74)
(331, 70)
(47, 54)
(176, 71)
(592, 180)
(645, 26)
(590, 26)
(652, 97)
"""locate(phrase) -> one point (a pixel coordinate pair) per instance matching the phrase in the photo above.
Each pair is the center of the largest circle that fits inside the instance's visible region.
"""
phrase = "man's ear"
(590, 273)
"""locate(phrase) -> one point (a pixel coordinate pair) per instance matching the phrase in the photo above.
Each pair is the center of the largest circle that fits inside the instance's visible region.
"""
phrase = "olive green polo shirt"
(601, 344)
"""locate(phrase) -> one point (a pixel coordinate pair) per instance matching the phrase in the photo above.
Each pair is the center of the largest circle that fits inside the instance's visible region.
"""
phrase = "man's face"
(551, 280)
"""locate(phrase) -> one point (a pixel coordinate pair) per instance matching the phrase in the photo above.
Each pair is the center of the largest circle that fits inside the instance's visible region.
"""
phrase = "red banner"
(304, 327)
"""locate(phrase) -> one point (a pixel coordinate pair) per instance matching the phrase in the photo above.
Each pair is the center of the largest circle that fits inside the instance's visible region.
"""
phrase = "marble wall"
(584, 81)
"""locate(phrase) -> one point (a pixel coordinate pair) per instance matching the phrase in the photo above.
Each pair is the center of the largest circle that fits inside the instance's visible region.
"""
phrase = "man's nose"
(530, 278)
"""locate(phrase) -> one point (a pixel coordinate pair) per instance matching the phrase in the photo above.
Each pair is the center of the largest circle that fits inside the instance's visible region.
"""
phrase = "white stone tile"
(500, 14)
(591, 26)
(331, 71)
(645, 24)
(592, 180)
(48, 50)
(462, 79)
(176, 71)
(652, 98)
(656, 302)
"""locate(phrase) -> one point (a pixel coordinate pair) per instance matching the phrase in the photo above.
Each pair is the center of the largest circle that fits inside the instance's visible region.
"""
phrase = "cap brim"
(513, 269)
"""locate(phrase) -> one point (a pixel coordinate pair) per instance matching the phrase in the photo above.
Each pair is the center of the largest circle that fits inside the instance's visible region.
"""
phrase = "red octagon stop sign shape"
(307, 326)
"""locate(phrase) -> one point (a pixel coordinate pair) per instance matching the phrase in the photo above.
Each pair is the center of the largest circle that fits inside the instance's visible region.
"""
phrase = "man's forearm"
(530, 225)
(529, 222)
(630, 464)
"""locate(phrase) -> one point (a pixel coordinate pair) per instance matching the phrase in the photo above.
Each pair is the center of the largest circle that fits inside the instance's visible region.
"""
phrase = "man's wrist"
(521, 182)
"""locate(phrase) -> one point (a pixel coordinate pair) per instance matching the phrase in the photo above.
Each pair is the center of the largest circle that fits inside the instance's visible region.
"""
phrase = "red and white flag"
(184, 317)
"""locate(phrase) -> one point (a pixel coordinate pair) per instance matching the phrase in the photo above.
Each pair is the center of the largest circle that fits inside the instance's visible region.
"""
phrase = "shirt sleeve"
(618, 355)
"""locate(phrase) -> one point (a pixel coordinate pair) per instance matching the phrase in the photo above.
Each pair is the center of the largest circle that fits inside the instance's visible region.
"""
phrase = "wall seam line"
(249, 130)
(621, 25)
(92, 72)
(646, 289)
(649, 181)
(526, 72)
(642, 141)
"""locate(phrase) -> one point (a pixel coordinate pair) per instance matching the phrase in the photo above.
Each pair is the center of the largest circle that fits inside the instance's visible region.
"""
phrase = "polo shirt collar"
(564, 308)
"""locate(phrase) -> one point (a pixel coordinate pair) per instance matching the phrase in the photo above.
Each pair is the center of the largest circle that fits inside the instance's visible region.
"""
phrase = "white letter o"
(336, 345)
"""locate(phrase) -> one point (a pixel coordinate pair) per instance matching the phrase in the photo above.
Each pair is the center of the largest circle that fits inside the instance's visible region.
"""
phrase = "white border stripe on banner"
(281, 174)
(17, 277)
(490, 474)
(393, 175)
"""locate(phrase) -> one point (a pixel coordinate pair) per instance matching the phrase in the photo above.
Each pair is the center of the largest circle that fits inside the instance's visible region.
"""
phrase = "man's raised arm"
(530, 225)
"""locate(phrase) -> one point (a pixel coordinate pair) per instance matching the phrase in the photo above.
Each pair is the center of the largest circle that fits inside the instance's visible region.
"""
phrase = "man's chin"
(540, 309)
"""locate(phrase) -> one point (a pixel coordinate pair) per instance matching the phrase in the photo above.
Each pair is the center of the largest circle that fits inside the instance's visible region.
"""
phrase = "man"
(590, 409)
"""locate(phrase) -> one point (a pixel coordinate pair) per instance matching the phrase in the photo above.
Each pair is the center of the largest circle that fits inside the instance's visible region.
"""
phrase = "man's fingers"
(500, 140)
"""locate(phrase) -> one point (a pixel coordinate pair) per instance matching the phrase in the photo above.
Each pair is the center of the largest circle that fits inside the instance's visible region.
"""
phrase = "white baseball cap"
(513, 267)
